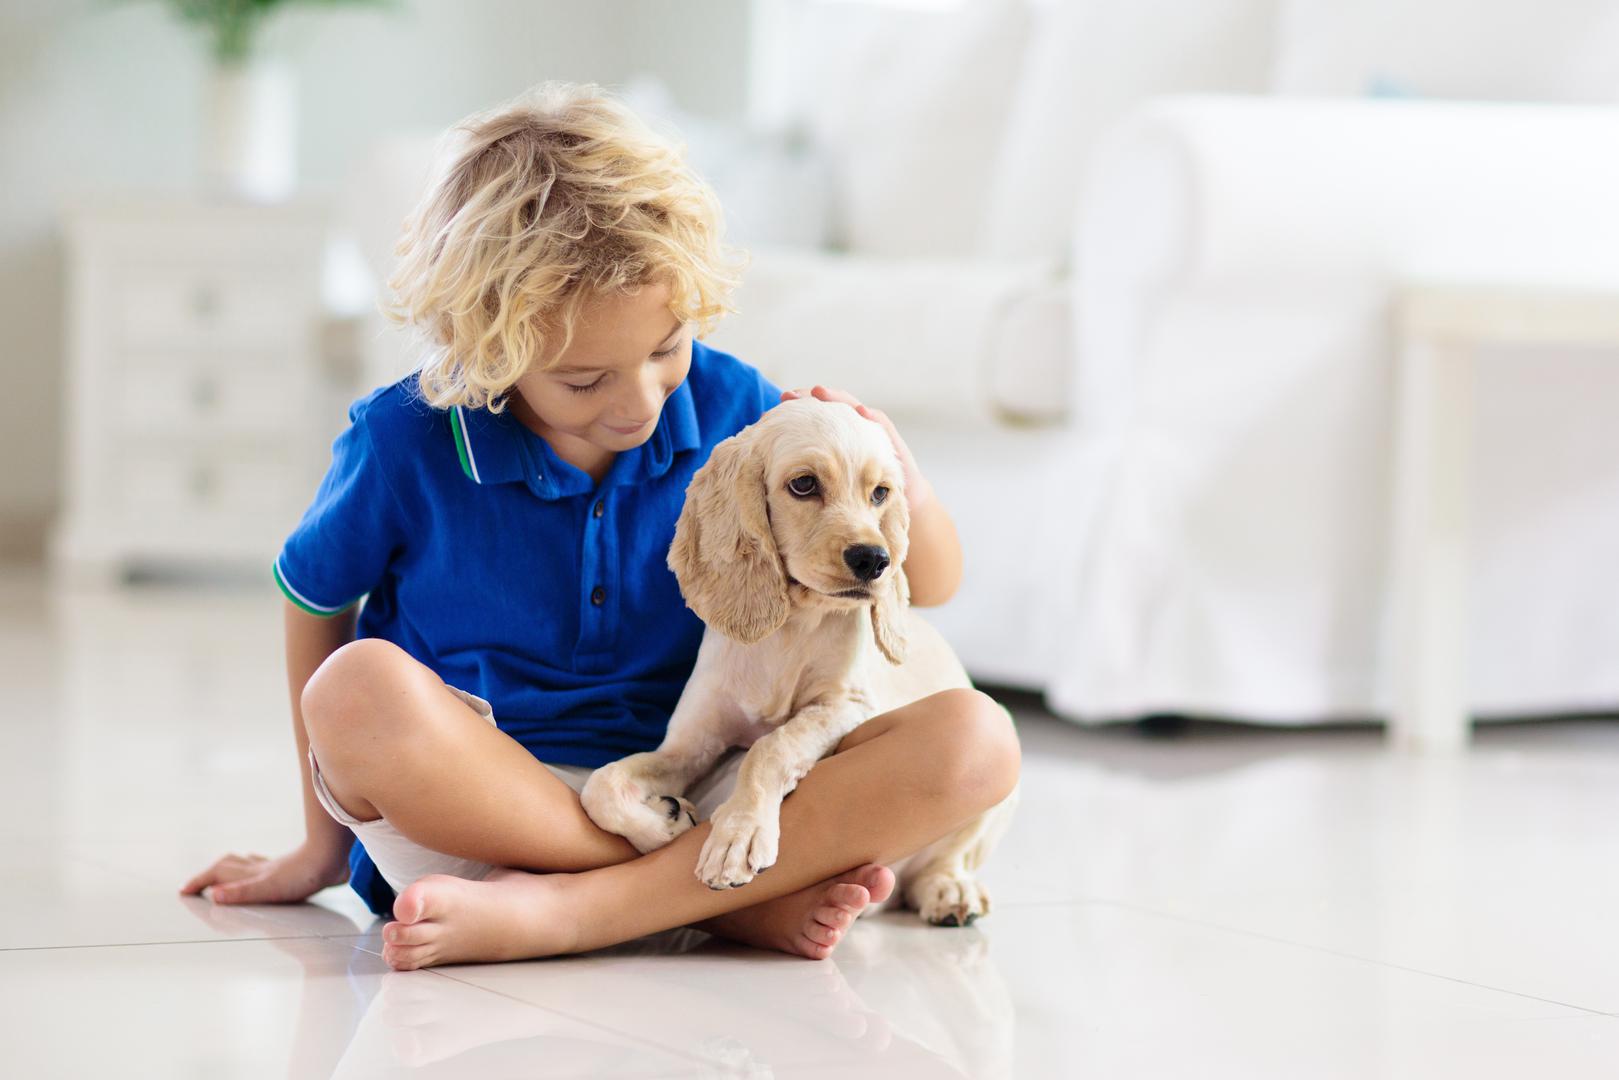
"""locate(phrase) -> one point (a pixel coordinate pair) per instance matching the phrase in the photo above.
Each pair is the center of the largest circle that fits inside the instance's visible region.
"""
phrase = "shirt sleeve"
(769, 393)
(341, 548)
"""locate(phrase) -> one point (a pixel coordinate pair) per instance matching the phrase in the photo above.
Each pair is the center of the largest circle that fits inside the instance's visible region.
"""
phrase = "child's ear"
(724, 555)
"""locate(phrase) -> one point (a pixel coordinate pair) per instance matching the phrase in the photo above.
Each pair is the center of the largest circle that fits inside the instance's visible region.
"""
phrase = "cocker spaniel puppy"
(791, 548)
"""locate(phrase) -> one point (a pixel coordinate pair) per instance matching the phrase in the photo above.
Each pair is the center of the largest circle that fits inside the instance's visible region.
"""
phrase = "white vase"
(252, 131)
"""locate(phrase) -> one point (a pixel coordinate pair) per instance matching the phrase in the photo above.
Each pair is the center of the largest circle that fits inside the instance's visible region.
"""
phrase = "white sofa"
(1169, 452)
(1132, 312)
(1208, 533)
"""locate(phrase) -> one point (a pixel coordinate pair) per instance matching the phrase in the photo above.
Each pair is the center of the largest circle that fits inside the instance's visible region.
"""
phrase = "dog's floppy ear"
(724, 555)
(888, 614)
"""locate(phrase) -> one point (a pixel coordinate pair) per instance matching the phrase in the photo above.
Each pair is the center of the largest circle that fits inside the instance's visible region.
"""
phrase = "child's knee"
(977, 753)
(335, 700)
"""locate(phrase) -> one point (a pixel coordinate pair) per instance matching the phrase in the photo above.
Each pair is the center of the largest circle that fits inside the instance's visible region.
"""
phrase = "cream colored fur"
(788, 666)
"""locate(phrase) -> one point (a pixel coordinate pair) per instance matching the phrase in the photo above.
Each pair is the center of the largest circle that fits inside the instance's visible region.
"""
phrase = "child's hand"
(917, 489)
(255, 879)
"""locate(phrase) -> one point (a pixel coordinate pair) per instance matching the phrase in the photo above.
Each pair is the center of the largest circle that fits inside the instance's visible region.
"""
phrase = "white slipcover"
(956, 341)
(1235, 259)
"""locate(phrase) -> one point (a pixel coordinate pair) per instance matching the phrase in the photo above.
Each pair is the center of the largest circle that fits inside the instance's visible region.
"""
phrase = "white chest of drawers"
(198, 412)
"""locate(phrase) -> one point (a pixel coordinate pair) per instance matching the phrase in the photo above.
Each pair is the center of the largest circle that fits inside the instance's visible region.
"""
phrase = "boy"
(505, 512)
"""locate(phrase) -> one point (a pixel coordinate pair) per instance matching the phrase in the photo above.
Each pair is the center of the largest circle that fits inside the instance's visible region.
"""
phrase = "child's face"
(608, 387)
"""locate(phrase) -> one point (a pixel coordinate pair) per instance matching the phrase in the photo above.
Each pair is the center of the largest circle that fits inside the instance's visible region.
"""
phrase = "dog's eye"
(878, 494)
(803, 486)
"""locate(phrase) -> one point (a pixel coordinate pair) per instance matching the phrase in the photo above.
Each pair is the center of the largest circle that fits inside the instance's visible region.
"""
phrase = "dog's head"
(805, 507)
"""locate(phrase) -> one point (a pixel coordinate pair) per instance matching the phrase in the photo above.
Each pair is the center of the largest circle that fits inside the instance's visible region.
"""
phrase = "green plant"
(232, 24)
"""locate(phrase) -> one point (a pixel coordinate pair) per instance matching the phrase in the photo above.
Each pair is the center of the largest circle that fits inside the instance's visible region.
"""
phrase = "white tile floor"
(1228, 902)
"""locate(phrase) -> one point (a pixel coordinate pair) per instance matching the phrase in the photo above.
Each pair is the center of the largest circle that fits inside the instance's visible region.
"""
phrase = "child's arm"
(933, 563)
(310, 640)
(322, 859)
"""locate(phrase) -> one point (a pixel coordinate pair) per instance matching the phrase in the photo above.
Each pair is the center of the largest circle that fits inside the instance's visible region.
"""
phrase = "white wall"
(98, 96)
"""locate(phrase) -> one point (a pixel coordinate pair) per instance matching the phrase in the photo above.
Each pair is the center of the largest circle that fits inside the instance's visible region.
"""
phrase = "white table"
(1439, 326)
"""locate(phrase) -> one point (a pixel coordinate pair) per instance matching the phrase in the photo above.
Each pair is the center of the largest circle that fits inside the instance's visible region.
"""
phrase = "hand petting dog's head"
(804, 508)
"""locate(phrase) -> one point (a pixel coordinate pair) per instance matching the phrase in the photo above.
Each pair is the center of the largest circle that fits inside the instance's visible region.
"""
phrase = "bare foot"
(514, 915)
(509, 915)
(809, 922)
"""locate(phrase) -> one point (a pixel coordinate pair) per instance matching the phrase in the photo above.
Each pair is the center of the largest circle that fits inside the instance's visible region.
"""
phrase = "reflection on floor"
(1222, 902)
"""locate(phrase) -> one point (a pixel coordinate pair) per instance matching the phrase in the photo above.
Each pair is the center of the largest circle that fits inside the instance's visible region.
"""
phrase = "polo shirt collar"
(678, 425)
(489, 445)
(497, 448)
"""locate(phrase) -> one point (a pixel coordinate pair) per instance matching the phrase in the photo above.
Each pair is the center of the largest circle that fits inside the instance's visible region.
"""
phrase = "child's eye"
(587, 388)
(670, 351)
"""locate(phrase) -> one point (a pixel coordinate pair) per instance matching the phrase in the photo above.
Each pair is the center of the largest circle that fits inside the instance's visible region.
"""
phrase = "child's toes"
(398, 933)
(822, 934)
(410, 904)
(814, 950)
(878, 880)
(849, 897)
(838, 918)
(407, 957)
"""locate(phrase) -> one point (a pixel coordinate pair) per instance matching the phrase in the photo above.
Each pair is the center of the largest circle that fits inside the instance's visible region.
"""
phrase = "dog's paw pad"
(675, 814)
(649, 822)
(948, 899)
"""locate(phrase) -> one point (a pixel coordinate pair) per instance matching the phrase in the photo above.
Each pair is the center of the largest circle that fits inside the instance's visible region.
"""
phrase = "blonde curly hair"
(541, 204)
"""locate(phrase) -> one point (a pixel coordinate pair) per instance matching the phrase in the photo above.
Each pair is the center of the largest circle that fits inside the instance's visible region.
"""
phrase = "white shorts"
(401, 860)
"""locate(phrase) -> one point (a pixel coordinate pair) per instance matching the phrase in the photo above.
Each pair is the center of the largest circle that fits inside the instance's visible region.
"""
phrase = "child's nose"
(648, 401)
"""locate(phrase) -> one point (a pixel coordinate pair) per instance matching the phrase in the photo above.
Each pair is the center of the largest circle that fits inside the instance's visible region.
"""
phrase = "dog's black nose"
(868, 561)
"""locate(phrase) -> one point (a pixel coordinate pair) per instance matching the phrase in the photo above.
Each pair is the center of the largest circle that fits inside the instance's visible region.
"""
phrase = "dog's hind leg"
(941, 881)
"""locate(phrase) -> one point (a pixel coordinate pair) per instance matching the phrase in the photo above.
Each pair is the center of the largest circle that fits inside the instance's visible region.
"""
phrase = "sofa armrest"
(966, 341)
(1228, 195)
(1237, 187)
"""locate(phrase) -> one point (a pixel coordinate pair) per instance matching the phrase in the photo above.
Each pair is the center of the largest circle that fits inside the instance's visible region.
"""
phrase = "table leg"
(1433, 438)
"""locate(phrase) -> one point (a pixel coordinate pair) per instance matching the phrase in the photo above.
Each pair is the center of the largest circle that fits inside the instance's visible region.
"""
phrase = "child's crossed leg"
(394, 743)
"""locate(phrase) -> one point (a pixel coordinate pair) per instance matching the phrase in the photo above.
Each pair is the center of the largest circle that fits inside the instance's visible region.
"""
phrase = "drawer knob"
(205, 394)
(204, 302)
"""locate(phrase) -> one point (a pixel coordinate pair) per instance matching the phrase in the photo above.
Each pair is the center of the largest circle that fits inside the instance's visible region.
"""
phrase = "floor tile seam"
(292, 924)
(356, 934)
(1340, 953)
(640, 1040)
(155, 944)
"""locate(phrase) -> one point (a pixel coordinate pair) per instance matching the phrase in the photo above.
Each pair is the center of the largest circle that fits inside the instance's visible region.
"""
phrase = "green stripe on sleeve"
(297, 598)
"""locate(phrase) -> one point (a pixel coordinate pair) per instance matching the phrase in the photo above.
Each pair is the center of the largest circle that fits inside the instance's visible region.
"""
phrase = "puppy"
(791, 547)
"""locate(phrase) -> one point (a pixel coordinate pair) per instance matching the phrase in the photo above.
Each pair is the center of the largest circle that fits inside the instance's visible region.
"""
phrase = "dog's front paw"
(675, 815)
(946, 899)
(617, 801)
(740, 845)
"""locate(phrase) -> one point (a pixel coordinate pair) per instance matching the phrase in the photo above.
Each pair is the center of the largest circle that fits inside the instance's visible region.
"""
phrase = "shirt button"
(601, 508)
(598, 596)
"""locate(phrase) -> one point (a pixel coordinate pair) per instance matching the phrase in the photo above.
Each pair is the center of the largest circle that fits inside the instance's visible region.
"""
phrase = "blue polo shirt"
(511, 573)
